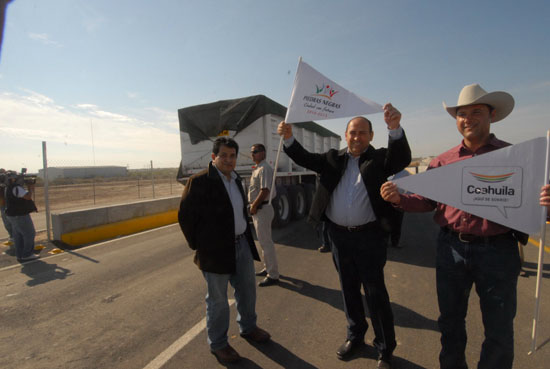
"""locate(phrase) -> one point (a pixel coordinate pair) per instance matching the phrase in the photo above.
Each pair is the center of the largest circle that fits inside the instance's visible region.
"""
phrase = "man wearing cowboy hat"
(472, 249)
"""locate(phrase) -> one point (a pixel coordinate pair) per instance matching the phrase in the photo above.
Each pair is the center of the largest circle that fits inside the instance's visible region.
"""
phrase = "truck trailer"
(251, 120)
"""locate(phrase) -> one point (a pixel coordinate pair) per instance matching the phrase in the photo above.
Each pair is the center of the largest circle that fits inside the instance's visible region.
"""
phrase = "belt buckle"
(351, 229)
(460, 238)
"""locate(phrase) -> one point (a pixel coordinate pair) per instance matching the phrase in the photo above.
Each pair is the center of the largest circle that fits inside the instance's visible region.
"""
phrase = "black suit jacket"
(206, 219)
(375, 165)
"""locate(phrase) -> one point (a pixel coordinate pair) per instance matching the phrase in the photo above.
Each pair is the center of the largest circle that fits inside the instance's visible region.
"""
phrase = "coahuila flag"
(315, 97)
(502, 186)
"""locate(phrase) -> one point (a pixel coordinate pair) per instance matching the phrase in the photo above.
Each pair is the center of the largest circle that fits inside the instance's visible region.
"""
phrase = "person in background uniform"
(214, 221)
(348, 199)
(262, 213)
(472, 250)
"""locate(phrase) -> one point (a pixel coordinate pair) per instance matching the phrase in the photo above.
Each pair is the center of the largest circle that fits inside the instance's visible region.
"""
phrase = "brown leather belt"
(358, 228)
(472, 238)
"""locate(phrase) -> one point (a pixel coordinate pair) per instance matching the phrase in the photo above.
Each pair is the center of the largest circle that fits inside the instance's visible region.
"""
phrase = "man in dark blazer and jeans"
(358, 221)
(214, 220)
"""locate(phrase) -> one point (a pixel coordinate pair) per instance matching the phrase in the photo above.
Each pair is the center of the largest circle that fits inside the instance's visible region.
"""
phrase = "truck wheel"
(309, 190)
(298, 200)
(282, 208)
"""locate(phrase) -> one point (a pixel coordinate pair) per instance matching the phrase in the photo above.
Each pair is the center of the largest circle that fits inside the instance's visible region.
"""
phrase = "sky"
(101, 81)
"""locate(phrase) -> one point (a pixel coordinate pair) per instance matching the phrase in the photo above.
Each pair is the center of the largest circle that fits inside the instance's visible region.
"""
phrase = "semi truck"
(250, 120)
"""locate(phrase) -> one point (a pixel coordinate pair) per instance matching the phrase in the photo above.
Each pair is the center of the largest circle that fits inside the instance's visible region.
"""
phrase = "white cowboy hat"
(501, 101)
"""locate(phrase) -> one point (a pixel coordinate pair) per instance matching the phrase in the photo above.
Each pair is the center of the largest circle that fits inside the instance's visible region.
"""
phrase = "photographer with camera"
(19, 205)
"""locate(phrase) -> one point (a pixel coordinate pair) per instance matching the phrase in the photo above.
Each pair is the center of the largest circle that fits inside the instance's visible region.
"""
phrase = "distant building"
(84, 172)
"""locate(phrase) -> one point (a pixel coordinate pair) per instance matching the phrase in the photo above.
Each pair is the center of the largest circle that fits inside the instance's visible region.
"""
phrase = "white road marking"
(181, 342)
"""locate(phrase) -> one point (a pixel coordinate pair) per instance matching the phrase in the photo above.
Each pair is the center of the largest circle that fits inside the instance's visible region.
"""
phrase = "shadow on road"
(327, 295)
(403, 316)
(41, 272)
(81, 256)
(281, 355)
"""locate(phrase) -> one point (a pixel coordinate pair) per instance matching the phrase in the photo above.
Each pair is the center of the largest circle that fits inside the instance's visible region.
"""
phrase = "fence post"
(152, 179)
(46, 197)
(93, 187)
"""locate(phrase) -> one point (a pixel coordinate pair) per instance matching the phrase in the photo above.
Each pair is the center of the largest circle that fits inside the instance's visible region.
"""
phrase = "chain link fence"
(102, 191)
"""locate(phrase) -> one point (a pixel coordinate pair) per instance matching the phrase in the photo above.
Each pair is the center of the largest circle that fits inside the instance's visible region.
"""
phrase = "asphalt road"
(138, 302)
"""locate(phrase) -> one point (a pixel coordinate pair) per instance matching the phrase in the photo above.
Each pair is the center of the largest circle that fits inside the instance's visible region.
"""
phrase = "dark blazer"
(375, 165)
(206, 219)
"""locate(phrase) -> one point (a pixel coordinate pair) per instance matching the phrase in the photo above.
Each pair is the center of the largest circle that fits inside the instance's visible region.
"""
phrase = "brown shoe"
(226, 355)
(258, 335)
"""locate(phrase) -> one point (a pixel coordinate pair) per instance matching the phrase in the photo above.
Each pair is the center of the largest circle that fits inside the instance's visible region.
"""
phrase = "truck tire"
(298, 201)
(309, 190)
(282, 208)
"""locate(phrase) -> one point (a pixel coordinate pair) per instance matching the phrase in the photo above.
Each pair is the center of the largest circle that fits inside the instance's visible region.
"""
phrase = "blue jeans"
(217, 307)
(23, 235)
(359, 258)
(6, 221)
(494, 268)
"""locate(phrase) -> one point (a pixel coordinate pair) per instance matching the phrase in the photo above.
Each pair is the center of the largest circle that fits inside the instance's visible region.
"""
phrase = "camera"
(20, 179)
(25, 179)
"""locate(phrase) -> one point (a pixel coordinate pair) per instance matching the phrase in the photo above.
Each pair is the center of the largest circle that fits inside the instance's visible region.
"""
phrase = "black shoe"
(263, 273)
(324, 249)
(268, 282)
(383, 364)
(348, 348)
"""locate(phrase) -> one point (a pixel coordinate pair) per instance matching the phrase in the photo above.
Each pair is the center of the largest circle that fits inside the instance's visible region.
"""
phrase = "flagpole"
(279, 150)
(541, 253)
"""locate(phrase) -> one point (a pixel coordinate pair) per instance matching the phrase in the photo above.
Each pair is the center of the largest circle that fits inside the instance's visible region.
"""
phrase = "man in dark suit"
(214, 220)
(358, 220)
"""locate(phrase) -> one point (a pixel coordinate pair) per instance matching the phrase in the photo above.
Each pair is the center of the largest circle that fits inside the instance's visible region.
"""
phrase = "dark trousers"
(395, 235)
(494, 268)
(359, 258)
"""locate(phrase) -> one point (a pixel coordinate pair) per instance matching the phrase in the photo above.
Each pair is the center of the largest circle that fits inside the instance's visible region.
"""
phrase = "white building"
(84, 172)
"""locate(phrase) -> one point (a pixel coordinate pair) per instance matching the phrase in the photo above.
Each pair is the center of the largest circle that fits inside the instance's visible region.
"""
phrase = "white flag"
(502, 186)
(315, 97)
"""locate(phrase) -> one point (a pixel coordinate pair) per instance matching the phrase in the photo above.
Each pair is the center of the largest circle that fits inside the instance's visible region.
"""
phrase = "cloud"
(30, 117)
(44, 38)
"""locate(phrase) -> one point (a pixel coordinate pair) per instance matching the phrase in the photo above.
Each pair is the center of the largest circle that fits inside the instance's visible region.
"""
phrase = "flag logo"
(492, 179)
(325, 91)
(497, 187)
